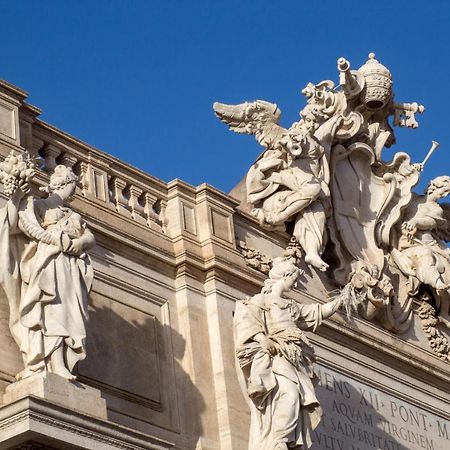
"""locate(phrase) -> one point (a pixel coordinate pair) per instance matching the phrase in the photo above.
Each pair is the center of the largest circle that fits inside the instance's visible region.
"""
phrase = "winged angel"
(289, 181)
(326, 173)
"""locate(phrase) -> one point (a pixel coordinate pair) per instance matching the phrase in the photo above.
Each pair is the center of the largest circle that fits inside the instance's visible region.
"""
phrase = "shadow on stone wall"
(135, 361)
(191, 403)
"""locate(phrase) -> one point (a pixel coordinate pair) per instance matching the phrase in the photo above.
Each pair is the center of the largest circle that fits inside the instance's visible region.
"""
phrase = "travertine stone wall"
(160, 344)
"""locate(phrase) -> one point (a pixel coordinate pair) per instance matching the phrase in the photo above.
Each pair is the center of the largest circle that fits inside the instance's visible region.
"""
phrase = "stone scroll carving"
(276, 361)
(324, 181)
(45, 271)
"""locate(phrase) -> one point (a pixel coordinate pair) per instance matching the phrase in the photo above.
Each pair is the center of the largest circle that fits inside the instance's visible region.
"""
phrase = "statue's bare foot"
(317, 262)
(60, 369)
(63, 372)
(281, 447)
(25, 373)
(272, 220)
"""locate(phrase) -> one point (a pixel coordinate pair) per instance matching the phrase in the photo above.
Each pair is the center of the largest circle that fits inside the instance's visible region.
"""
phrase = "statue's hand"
(267, 344)
(409, 230)
(417, 166)
(21, 191)
(76, 247)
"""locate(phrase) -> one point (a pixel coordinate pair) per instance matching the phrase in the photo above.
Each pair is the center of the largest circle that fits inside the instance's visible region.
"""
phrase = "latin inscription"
(358, 417)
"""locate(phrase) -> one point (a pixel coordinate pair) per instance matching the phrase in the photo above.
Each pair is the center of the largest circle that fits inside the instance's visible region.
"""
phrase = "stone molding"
(44, 422)
(194, 268)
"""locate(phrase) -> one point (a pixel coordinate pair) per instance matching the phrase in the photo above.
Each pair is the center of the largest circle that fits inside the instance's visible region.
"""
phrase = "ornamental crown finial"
(378, 80)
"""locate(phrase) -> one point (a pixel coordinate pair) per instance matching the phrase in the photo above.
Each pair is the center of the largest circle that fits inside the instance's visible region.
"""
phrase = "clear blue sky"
(137, 79)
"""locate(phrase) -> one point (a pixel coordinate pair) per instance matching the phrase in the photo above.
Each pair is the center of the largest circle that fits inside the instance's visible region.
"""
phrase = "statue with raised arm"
(289, 182)
(45, 271)
(275, 361)
(326, 182)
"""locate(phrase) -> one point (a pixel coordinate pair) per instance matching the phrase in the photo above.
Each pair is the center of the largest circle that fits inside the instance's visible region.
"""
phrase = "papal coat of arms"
(324, 179)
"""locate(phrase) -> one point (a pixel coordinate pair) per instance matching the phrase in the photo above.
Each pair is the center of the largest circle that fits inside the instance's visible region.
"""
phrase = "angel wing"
(259, 118)
(443, 231)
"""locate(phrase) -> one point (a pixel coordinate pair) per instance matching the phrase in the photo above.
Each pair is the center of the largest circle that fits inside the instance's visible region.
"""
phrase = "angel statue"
(421, 251)
(45, 271)
(275, 361)
(289, 182)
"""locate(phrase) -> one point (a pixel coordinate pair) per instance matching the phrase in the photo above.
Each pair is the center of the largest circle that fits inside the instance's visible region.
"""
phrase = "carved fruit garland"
(438, 342)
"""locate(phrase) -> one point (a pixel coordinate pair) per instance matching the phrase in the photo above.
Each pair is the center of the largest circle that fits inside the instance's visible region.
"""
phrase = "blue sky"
(137, 79)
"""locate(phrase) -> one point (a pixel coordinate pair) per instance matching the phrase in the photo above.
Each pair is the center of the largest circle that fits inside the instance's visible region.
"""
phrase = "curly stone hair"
(280, 268)
(62, 176)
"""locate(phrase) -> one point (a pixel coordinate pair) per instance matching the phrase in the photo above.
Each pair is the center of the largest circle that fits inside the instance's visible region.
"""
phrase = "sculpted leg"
(280, 217)
(443, 297)
(58, 365)
(309, 231)
(286, 414)
(285, 205)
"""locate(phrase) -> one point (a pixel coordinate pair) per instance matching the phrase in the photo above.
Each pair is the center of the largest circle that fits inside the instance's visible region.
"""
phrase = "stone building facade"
(170, 263)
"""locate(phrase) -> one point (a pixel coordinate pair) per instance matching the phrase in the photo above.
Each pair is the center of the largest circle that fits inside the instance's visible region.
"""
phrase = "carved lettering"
(414, 418)
(333, 385)
(442, 430)
(359, 417)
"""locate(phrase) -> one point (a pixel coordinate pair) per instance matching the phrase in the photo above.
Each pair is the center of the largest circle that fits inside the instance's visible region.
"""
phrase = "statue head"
(63, 181)
(283, 271)
(438, 188)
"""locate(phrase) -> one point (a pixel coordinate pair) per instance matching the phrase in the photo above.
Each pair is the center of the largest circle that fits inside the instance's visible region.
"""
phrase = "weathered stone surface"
(55, 389)
(359, 416)
(351, 215)
(168, 274)
(45, 271)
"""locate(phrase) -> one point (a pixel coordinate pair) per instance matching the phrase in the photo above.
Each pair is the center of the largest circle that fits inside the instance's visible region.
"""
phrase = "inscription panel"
(359, 417)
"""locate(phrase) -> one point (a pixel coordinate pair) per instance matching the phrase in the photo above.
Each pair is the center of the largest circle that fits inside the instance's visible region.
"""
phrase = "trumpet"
(434, 146)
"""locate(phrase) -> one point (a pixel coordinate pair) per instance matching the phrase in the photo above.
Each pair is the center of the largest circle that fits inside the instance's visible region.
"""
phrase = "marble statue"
(275, 361)
(354, 215)
(421, 252)
(290, 180)
(45, 271)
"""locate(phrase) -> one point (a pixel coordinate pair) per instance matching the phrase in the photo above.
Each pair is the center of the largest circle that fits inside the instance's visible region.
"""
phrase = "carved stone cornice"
(43, 422)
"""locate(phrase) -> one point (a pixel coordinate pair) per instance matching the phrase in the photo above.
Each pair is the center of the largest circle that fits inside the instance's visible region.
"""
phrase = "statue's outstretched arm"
(328, 309)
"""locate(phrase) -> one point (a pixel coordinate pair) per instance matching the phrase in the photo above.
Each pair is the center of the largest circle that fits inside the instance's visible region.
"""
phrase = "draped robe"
(279, 388)
(47, 289)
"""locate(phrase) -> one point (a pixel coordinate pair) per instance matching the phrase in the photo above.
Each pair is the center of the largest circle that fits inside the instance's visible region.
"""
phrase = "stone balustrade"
(110, 189)
(103, 179)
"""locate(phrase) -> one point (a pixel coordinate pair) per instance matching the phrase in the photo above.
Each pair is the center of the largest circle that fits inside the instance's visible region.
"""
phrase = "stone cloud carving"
(276, 361)
(44, 270)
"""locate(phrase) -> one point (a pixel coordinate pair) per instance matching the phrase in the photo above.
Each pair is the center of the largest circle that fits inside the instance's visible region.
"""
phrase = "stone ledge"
(38, 420)
(72, 394)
